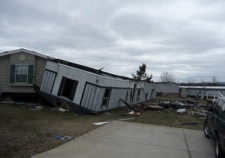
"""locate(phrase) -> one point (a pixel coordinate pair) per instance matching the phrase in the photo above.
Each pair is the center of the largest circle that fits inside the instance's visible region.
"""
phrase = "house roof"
(89, 69)
(204, 87)
(166, 83)
(25, 51)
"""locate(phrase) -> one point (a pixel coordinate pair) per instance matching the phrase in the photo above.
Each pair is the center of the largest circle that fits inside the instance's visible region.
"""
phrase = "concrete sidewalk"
(131, 140)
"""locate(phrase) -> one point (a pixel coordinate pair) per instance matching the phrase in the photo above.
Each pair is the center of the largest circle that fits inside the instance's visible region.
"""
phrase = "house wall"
(92, 98)
(82, 77)
(39, 70)
(202, 93)
(13, 59)
(167, 88)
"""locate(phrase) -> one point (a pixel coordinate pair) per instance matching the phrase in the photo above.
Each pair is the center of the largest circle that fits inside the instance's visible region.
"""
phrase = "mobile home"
(90, 90)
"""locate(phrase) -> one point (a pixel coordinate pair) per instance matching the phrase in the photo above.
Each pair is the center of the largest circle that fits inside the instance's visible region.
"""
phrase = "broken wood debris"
(138, 109)
(126, 119)
(64, 105)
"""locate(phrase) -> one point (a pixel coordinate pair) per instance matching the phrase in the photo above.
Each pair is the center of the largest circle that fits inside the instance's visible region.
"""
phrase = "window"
(21, 74)
(67, 88)
(106, 97)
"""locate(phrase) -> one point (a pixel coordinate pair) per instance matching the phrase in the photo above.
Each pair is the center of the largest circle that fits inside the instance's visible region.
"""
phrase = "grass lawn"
(24, 133)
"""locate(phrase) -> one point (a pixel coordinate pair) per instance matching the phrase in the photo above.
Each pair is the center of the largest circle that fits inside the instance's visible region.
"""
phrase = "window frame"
(63, 87)
(29, 75)
(16, 73)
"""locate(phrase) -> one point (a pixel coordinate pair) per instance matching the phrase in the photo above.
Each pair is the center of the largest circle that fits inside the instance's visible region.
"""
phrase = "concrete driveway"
(132, 140)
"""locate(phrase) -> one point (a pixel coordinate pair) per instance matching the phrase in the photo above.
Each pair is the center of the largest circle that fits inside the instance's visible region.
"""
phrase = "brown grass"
(24, 133)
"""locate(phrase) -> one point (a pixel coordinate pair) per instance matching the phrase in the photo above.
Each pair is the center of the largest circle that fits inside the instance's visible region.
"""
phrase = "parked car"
(214, 126)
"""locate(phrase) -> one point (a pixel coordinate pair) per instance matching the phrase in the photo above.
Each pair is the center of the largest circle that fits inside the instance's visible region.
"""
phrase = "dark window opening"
(67, 88)
(127, 96)
(138, 95)
(152, 93)
(106, 97)
(133, 92)
(146, 96)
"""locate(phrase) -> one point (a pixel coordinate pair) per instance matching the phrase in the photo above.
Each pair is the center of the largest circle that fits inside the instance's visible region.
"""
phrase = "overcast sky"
(184, 37)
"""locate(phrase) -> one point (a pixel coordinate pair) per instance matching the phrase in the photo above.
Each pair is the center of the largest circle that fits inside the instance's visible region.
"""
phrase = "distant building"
(203, 92)
(167, 89)
(20, 69)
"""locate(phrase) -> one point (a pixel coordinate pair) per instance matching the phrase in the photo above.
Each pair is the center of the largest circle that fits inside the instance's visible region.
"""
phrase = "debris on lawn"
(64, 105)
(58, 136)
(126, 119)
(189, 107)
(155, 107)
(181, 111)
(63, 137)
(198, 113)
(66, 138)
(60, 109)
(7, 102)
(33, 106)
(100, 123)
(133, 113)
(37, 108)
(20, 102)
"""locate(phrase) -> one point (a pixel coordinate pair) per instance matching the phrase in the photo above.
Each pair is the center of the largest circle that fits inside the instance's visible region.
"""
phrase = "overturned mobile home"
(90, 90)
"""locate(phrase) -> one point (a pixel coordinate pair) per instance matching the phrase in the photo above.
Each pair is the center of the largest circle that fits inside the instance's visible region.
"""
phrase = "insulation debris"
(181, 110)
(100, 123)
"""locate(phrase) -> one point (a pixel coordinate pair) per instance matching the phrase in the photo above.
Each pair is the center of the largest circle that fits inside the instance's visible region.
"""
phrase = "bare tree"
(190, 80)
(167, 77)
(141, 74)
(214, 80)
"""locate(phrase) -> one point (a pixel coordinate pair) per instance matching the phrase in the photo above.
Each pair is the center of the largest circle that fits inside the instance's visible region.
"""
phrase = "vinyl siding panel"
(29, 60)
(39, 70)
(5, 72)
(93, 97)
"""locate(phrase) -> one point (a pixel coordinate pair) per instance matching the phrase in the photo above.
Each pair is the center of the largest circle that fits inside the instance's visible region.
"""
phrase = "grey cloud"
(184, 37)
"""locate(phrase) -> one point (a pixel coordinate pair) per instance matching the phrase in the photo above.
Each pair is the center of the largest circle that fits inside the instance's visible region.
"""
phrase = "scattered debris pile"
(33, 106)
(189, 107)
(177, 104)
(138, 109)
(62, 106)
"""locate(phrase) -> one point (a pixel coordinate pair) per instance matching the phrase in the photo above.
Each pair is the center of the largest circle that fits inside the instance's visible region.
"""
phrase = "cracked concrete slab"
(132, 140)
